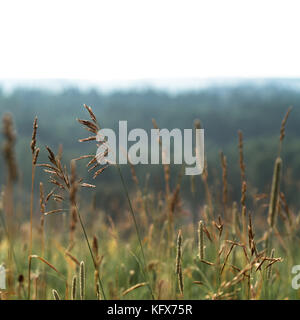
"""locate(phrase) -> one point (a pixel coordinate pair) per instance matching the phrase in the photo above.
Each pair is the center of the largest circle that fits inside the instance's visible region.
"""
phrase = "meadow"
(159, 248)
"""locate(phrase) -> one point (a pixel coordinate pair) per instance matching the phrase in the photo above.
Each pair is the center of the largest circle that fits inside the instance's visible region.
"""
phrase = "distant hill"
(169, 85)
(256, 107)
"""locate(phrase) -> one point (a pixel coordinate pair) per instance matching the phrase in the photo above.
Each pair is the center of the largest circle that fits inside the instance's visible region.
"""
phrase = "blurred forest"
(256, 110)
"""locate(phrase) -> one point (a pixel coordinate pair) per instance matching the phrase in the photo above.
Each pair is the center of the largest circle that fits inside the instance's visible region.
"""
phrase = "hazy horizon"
(170, 85)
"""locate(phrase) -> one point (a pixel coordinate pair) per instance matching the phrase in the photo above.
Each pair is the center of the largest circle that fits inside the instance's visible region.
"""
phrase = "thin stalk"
(136, 226)
(29, 274)
(31, 223)
(45, 262)
(91, 251)
(10, 209)
(31, 208)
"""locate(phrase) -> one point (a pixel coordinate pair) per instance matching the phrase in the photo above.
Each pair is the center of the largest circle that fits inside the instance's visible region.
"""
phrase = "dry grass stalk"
(11, 164)
(173, 202)
(244, 211)
(226, 258)
(98, 260)
(207, 262)
(178, 251)
(55, 211)
(235, 222)
(269, 271)
(180, 280)
(67, 183)
(200, 240)
(33, 138)
(242, 273)
(72, 195)
(42, 219)
(219, 225)
(178, 267)
(136, 286)
(95, 247)
(208, 195)
(268, 259)
(282, 129)
(94, 128)
(90, 111)
(243, 181)
(243, 198)
(98, 293)
(252, 244)
(8, 148)
(241, 156)
(34, 256)
(34, 152)
(224, 179)
(274, 192)
(42, 232)
(69, 255)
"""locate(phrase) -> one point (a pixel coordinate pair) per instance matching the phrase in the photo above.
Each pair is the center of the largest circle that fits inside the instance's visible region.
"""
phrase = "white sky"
(137, 39)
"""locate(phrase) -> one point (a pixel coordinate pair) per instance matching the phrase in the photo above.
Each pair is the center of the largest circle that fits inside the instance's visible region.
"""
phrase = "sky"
(135, 39)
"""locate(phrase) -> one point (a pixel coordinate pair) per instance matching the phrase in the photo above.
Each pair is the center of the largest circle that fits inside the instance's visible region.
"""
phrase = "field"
(69, 248)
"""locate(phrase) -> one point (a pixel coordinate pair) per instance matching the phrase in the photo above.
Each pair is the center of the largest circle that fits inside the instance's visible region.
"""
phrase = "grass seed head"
(74, 288)
(8, 148)
(274, 192)
(55, 295)
(200, 240)
(82, 280)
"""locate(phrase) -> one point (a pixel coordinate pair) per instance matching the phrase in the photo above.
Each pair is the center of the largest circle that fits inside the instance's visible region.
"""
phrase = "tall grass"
(238, 252)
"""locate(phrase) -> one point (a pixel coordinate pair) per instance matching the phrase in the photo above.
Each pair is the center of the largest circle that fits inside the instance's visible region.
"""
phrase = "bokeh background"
(255, 108)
